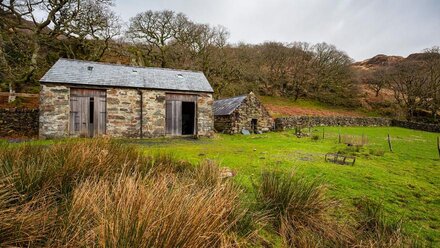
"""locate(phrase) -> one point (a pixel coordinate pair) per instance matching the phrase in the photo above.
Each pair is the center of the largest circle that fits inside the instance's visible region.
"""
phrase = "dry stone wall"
(305, 121)
(19, 122)
(205, 116)
(417, 125)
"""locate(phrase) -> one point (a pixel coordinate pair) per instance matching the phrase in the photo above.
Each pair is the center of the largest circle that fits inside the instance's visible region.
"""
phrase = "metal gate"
(88, 115)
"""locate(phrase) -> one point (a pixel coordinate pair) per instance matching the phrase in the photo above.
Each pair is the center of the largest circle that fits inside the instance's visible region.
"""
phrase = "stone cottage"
(88, 99)
(232, 115)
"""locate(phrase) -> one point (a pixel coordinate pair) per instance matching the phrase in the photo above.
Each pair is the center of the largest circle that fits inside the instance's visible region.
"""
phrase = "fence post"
(323, 133)
(339, 136)
(438, 145)
(389, 143)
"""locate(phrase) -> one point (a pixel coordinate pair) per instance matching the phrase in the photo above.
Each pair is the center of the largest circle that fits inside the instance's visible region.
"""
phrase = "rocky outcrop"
(380, 60)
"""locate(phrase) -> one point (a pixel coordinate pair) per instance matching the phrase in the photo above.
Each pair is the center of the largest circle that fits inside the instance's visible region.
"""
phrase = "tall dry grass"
(301, 211)
(133, 212)
(375, 229)
(108, 194)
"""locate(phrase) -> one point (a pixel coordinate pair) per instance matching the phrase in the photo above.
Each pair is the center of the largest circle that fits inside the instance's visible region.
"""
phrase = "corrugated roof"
(227, 106)
(80, 72)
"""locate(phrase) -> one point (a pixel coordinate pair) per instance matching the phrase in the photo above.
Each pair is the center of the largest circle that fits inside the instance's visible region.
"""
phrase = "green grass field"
(406, 181)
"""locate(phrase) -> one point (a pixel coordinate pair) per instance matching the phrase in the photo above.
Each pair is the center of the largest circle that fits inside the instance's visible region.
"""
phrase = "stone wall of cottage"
(54, 111)
(205, 116)
(223, 123)
(154, 110)
(123, 112)
(241, 118)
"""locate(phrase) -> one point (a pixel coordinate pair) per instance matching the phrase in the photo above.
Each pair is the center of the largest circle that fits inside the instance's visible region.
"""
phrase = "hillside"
(280, 107)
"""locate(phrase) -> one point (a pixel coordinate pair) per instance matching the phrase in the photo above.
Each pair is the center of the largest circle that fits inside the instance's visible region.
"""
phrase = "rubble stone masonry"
(54, 111)
(123, 112)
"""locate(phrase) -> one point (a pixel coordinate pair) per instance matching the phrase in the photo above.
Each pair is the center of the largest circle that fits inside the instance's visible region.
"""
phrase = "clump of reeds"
(301, 210)
(375, 229)
(105, 193)
(133, 212)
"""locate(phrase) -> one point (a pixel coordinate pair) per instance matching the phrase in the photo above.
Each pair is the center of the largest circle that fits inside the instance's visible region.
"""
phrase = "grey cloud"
(362, 28)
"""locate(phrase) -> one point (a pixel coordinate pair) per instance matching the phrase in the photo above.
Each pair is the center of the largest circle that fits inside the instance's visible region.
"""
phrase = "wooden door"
(88, 115)
(174, 117)
(101, 115)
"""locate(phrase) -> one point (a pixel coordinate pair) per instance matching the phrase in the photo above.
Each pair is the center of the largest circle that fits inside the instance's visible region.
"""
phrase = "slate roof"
(78, 72)
(227, 106)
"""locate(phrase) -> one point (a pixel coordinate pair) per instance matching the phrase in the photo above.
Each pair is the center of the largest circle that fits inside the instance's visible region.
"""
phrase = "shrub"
(315, 137)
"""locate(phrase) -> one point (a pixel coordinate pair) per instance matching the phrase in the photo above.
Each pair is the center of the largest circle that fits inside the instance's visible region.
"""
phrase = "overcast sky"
(362, 28)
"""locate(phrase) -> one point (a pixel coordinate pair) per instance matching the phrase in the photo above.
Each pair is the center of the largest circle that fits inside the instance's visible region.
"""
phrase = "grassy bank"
(109, 193)
(406, 181)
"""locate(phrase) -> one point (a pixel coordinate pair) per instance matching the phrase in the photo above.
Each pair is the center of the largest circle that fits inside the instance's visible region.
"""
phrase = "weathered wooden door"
(174, 113)
(87, 112)
(174, 118)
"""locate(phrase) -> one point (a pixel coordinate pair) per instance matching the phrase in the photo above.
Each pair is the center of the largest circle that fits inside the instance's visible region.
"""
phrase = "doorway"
(181, 114)
(254, 125)
(188, 118)
(88, 115)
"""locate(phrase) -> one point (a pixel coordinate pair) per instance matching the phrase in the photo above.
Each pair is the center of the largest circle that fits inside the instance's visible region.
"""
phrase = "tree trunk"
(34, 61)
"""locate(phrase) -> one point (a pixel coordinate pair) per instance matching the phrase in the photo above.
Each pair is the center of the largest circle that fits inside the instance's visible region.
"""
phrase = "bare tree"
(433, 75)
(89, 25)
(332, 75)
(299, 74)
(409, 83)
(156, 29)
(377, 79)
(24, 15)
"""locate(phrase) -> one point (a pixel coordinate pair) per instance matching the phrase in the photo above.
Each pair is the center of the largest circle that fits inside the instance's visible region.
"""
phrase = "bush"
(315, 137)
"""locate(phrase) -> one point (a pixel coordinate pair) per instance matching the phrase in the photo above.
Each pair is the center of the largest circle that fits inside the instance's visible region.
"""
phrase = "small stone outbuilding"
(232, 115)
(88, 99)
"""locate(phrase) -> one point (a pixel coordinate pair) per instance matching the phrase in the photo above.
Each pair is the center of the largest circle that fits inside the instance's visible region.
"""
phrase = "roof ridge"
(129, 66)
(232, 97)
